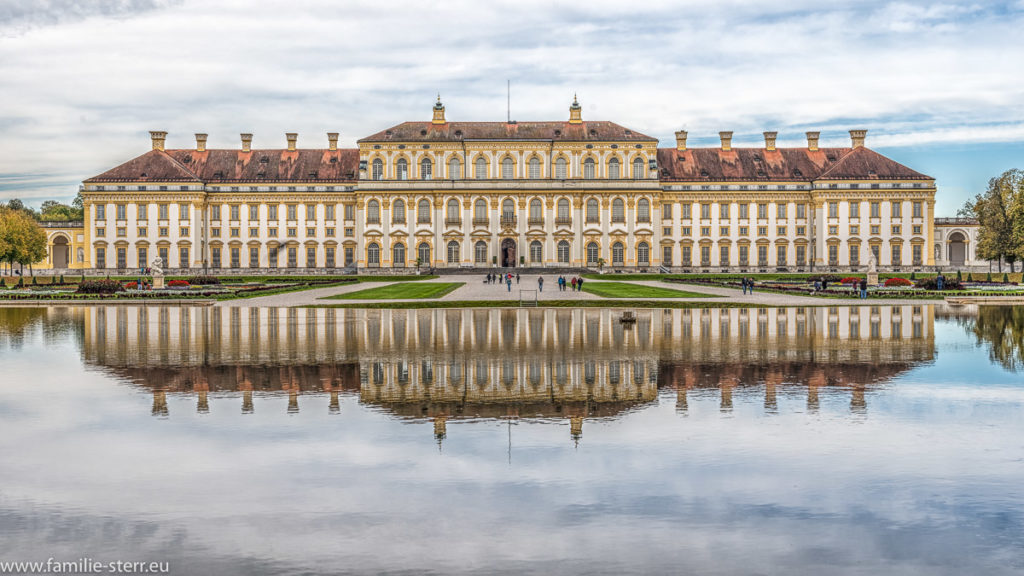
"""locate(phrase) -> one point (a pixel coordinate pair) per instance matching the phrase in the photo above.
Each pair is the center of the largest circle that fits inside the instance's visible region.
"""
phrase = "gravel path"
(476, 289)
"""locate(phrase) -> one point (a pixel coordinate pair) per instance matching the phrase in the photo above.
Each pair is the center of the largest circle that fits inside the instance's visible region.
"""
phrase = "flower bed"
(850, 280)
(894, 282)
(178, 283)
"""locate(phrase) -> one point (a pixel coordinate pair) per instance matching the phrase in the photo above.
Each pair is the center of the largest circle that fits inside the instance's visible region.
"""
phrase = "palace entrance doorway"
(61, 252)
(508, 253)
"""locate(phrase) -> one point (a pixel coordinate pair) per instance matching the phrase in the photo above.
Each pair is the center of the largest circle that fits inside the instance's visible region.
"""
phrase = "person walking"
(573, 282)
(940, 281)
(540, 283)
(508, 282)
(750, 284)
(579, 284)
(863, 288)
(743, 285)
(517, 278)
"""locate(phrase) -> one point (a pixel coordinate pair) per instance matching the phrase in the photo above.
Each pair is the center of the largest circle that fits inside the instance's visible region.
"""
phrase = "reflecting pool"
(849, 440)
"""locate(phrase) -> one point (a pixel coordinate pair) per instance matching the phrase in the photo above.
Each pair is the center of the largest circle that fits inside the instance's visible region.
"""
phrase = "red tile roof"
(304, 165)
(594, 131)
(781, 164)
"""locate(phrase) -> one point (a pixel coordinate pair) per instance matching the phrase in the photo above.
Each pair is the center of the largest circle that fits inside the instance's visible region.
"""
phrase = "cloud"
(81, 91)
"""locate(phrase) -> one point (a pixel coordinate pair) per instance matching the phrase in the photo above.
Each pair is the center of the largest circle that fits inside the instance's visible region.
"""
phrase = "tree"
(22, 240)
(53, 211)
(1000, 212)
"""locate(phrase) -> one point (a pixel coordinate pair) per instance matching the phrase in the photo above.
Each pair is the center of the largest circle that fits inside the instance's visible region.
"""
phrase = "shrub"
(931, 284)
(61, 282)
(959, 278)
(99, 287)
(203, 280)
(35, 281)
(970, 278)
(177, 283)
(913, 276)
(898, 282)
(988, 277)
(1006, 279)
(850, 280)
(21, 282)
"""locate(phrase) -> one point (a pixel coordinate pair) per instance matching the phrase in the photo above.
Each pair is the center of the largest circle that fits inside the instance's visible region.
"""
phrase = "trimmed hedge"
(204, 280)
(105, 286)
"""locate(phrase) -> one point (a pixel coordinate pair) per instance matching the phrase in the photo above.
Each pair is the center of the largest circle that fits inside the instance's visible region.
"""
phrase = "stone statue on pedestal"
(156, 269)
(872, 269)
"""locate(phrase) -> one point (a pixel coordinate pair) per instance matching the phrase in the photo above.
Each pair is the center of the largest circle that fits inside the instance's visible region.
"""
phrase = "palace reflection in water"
(504, 363)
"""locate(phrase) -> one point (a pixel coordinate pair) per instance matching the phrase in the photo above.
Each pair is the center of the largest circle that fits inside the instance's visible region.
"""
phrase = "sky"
(937, 85)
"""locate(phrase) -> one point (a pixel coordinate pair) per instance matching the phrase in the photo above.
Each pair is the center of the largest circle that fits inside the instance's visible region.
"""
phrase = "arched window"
(480, 210)
(536, 210)
(480, 170)
(508, 209)
(423, 211)
(588, 168)
(613, 169)
(398, 212)
(426, 169)
(480, 252)
(507, 168)
(423, 253)
(373, 212)
(453, 211)
(373, 254)
(534, 167)
(638, 168)
(593, 210)
(593, 253)
(454, 169)
(618, 210)
(643, 210)
(398, 256)
(402, 169)
(563, 209)
(536, 252)
(560, 169)
(378, 169)
(453, 252)
(563, 251)
(617, 254)
(643, 254)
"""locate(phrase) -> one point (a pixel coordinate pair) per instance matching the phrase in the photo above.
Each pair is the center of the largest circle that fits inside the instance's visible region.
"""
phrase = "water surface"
(282, 441)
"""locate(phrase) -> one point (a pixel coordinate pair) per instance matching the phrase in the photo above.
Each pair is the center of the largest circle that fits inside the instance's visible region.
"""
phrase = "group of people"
(506, 279)
(747, 284)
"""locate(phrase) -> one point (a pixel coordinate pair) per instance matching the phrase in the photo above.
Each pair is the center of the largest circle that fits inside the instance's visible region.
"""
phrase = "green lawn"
(626, 290)
(402, 291)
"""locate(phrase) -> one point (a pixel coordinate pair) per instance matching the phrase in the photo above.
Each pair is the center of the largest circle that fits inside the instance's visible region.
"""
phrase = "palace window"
(398, 256)
(588, 168)
(536, 210)
(453, 211)
(705, 255)
(215, 257)
(666, 255)
(329, 212)
(875, 229)
(426, 169)
(916, 249)
(854, 209)
(236, 258)
(780, 231)
(378, 169)
(534, 168)
(593, 210)
(183, 260)
(801, 230)
(310, 212)
(643, 210)
(536, 252)
(272, 257)
(272, 212)
(686, 230)
(833, 254)
(744, 255)
(184, 211)
(508, 210)
(833, 209)
(254, 212)
(897, 252)
(854, 230)
(897, 209)
(917, 228)
(122, 212)
(373, 255)
(423, 211)
(686, 211)
(563, 211)
(723, 255)
(234, 211)
(705, 230)
(762, 255)
(480, 252)
(638, 169)
(762, 211)
(293, 257)
(643, 254)
(143, 259)
(744, 211)
(480, 169)
(143, 230)
(423, 253)
(723, 231)
(666, 212)
(561, 169)
(917, 212)
(254, 257)
(801, 210)
(507, 168)
(563, 251)
(480, 211)
(801, 255)
(292, 212)
(329, 260)
(705, 211)
(141, 211)
(398, 212)
(780, 256)
(101, 212)
(454, 169)
(876, 210)
(593, 253)
(854, 254)
(895, 229)
(453, 252)
(253, 232)
(723, 211)
(373, 212)
(617, 254)
(762, 230)
(613, 169)
(618, 210)
(402, 169)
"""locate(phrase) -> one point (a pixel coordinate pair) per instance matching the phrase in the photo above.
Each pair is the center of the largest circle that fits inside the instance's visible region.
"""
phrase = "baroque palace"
(473, 195)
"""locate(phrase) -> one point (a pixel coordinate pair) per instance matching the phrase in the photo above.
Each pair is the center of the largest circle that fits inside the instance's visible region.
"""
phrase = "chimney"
(857, 138)
(438, 112)
(812, 141)
(292, 137)
(681, 140)
(726, 140)
(158, 139)
(200, 142)
(769, 140)
(246, 142)
(332, 140)
(575, 112)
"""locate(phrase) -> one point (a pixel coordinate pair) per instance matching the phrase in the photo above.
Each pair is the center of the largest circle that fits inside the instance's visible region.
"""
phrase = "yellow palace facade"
(479, 195)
